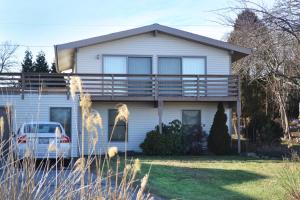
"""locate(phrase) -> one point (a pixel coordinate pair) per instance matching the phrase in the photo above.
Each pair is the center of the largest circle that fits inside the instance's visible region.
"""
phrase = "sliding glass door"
(170, 85)
(193, 66)
(115, 65)
(186, 86)
(139, 85)
(124, 84)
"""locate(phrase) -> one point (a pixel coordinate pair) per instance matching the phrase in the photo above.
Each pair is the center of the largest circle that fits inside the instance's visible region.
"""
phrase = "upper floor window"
(114, 64)
(127, 65)
(181, 65)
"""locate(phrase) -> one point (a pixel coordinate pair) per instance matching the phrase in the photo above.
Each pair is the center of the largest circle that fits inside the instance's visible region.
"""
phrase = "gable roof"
(64, 52)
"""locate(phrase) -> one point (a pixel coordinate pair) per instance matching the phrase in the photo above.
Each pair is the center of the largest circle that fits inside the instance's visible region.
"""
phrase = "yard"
(207, 177)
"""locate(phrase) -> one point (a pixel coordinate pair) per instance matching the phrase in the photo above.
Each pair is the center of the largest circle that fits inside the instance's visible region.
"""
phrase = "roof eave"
(239, 52)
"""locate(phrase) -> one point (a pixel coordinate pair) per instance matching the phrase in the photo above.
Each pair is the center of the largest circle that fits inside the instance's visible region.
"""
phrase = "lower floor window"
(191, 121)
(115, 132)
(63, 116)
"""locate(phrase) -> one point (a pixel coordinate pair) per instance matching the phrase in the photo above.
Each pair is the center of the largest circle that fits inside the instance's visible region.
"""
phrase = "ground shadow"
(198, 183)
(213, 158)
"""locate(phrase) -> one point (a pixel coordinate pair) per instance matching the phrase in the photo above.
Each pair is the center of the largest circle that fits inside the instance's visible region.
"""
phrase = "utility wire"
(101, 25)
(23, 45)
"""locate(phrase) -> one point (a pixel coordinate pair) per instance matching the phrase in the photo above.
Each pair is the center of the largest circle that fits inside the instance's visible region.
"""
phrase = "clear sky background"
(39, 24)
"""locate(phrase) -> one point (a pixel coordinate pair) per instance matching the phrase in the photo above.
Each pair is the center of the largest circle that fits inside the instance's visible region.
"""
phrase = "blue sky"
(41, 24)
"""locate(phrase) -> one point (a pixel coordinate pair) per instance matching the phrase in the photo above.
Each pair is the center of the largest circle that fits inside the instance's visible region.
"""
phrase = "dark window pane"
(191, 120)
(118, 134)
(139, 65)
(170, 86)
(112, 113)
(191, 117)
(62, 116)
(169, 65)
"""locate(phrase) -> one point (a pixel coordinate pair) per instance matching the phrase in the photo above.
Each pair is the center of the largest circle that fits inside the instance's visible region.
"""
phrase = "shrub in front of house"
(173, 141)
(219, 138)
(263, 129)
(195, 141)
(169, 142)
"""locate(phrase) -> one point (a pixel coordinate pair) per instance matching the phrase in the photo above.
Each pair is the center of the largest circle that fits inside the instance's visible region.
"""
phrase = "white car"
(42, 140)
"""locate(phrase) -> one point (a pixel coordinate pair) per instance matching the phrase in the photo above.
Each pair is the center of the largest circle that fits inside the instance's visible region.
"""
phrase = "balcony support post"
(238, 111)
(160, 113)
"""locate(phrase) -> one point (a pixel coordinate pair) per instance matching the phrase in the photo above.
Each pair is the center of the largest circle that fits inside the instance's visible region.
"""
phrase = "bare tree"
(283, 16)
(275, 40)
(7, 56)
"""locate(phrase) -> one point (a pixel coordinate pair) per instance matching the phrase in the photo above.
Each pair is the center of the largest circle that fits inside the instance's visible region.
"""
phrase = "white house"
(161, 73)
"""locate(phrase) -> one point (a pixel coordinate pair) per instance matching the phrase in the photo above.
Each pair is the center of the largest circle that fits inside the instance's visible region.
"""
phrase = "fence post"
(205, 87)
(198, 88)
(102, 84)
(112, 86)
(155, 87)
(68, 87)
(22, 84)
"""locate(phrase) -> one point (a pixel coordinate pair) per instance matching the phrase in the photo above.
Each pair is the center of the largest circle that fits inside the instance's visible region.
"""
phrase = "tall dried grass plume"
(1, 127)
(122, 113)
(112, 151)
(75, 86)
(85, 103)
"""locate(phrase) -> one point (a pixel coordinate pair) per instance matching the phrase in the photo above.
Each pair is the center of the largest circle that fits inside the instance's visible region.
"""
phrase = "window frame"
(127, 56)
(182, 57)
(60, 107)
(110, 127)
(200, 120)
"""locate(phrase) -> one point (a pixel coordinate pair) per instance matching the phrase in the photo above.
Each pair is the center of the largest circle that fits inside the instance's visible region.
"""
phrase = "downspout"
(74, 69)
(56, 58)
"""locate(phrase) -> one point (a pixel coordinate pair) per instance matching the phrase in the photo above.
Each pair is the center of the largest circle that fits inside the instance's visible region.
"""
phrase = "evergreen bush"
(219, 138)
(262, 129)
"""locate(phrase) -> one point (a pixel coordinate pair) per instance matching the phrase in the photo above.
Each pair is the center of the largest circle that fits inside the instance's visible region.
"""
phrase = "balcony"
(127, 87)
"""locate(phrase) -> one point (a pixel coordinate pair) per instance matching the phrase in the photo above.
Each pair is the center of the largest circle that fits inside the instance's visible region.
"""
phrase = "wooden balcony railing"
(126, 86)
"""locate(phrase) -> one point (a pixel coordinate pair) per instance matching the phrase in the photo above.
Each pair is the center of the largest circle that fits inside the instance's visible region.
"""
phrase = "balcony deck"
(127, 87)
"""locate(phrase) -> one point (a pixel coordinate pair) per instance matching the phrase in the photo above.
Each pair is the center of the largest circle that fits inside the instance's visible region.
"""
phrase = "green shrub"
(169, 142)
(172, 140)
(151, 145)
(263, 129)
(195, 142)
(219, 138)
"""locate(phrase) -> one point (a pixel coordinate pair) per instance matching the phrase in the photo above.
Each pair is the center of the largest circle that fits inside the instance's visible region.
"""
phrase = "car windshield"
(41, 128)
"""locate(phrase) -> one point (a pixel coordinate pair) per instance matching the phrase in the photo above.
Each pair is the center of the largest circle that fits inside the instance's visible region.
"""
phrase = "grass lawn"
(208, 177)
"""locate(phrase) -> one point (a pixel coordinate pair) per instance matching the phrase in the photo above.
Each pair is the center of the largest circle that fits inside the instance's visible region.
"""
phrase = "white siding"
(36, 107)
(144, 117)
(218, 60)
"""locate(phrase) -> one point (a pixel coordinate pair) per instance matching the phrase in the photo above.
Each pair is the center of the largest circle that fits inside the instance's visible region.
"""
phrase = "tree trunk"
(283, 116)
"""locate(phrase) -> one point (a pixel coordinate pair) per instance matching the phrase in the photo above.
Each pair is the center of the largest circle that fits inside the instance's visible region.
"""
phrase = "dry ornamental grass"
(29, 179)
